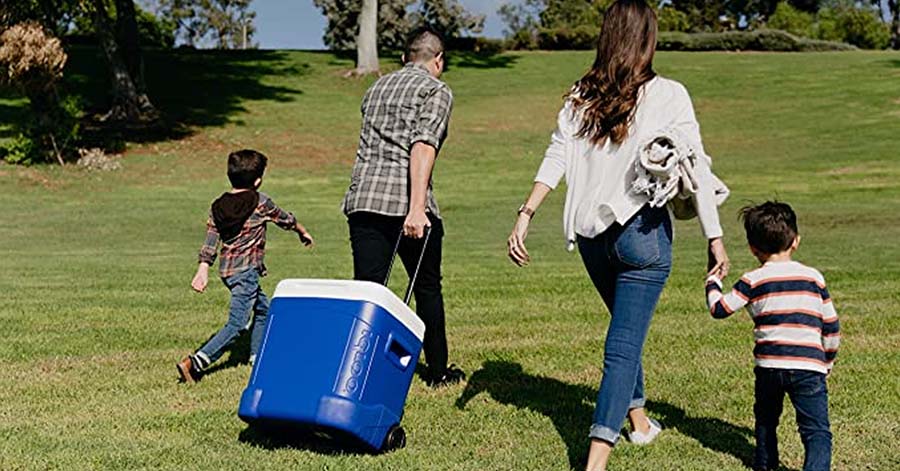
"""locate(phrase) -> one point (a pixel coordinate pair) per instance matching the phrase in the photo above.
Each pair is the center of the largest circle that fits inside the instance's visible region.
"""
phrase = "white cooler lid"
(353, 291)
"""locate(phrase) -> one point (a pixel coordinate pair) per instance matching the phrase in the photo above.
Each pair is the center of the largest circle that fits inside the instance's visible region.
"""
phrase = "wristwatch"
(527, 211)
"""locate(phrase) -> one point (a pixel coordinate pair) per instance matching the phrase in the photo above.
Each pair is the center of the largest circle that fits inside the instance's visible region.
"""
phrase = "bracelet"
(527, 211)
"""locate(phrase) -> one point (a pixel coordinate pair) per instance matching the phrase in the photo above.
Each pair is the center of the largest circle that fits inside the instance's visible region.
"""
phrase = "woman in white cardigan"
(625, 243)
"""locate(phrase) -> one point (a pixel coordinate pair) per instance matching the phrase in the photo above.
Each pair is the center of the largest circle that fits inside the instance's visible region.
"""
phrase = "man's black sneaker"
(452, 375)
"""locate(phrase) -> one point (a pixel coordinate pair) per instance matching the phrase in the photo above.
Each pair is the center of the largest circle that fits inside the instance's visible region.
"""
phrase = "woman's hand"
(717, 259)
(516, 242)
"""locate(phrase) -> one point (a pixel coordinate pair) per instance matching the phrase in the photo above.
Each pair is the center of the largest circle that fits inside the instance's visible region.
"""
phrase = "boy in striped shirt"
(797, 334)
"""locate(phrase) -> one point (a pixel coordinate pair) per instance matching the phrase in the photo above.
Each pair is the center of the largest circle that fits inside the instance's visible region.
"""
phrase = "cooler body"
(337, 357)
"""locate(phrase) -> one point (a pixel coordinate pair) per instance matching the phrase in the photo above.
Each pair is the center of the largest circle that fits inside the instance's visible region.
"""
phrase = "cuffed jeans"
(809, 395)
(629, 266)
(373, 238)
(249, 307)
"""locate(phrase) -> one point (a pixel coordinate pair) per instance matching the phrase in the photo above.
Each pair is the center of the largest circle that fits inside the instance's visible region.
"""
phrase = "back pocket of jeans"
(638, 245)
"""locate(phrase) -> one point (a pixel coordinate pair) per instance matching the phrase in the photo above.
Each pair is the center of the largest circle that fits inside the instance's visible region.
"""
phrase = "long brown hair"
(607, 95)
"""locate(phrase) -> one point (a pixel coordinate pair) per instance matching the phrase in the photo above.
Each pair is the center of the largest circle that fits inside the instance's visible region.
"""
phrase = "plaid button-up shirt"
(248, 249)
(399, 110)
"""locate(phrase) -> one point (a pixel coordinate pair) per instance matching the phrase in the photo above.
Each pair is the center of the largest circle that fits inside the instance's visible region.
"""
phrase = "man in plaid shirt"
(405, 116)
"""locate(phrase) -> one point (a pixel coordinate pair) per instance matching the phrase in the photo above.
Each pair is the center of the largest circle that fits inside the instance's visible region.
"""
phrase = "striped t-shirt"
(796, 324)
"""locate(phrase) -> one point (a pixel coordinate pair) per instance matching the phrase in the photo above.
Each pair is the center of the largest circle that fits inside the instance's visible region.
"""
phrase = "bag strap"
(412, 279)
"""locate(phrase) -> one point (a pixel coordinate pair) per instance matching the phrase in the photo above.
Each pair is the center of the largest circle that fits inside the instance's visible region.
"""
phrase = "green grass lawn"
(96, 304)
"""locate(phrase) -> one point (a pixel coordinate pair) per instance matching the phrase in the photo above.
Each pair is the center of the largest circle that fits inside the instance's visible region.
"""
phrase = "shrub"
(863, 28)
(523, 39)
(671, 19)
(565, 38)
(826, 26)
(760, 40)
(477, 44)
(32, 61)
(794, 21)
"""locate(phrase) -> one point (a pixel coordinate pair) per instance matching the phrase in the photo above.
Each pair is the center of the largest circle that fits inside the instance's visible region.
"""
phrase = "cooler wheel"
(395, 439)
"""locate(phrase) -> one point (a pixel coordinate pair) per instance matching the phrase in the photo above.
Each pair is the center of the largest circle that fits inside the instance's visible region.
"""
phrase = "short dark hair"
(244, 167)
(423, 44)
(771, 227)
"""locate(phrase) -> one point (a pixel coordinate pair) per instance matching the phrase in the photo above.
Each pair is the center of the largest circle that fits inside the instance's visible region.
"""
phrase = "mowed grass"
(96, 268)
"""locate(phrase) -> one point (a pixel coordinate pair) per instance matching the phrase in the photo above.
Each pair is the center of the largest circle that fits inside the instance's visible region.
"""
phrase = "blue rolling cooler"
(337, 358)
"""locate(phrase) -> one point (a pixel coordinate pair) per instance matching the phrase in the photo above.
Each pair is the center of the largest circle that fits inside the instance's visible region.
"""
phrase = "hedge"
(758, 40)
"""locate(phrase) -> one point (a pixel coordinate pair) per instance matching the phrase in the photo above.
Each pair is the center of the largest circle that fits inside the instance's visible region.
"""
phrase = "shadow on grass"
(191, 88)
(238, 354)
(570, 408)
(288, 437)
(481, 60)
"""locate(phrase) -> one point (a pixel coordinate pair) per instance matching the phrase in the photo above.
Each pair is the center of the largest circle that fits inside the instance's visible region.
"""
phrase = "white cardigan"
(599, 178)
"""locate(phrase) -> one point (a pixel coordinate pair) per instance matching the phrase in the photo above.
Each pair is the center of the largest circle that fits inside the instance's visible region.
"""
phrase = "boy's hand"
(201, 279)
(305, 237)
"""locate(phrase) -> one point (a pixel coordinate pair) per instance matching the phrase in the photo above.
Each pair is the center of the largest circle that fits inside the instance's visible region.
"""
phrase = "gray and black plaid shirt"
(398, 110)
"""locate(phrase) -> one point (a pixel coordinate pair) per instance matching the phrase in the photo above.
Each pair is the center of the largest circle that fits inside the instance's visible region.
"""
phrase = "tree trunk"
(367, 40)
(129, 42)
(128, 103)
(894, 5)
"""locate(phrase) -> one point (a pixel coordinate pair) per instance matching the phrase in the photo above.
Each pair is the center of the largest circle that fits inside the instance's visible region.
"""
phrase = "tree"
(703, 15)
(367, 40)
(447, 17)
(893, 13)
(521, 16)
(343, 23)
(226, 24)
(523, 20)
(572, 14)
(130, 102)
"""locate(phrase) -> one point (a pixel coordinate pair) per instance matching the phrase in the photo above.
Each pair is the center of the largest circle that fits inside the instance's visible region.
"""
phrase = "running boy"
(238, 219)
(797, 334)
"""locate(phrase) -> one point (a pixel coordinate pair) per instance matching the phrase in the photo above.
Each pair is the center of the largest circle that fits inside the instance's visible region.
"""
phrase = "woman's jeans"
(249, 307)
(629, 266)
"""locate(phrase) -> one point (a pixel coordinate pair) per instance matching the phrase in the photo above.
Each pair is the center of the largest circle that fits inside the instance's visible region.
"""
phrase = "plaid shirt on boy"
(400, 109)
(248, 249)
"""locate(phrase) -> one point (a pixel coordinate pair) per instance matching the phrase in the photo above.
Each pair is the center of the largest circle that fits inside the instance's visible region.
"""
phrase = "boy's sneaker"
(452, 375)
(639, 438)
(187, 370)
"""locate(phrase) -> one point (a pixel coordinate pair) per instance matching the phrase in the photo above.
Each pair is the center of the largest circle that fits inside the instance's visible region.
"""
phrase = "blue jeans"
(809, 394)
(629, 266)
(249, 307)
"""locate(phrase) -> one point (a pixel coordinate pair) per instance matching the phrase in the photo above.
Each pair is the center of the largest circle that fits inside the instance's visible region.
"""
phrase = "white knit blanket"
(666, 169)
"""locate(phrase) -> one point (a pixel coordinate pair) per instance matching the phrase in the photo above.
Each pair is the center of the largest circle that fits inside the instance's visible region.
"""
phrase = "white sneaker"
(639, 438)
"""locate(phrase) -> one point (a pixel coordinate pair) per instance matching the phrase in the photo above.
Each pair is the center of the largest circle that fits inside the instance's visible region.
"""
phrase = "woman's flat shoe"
(639, 438)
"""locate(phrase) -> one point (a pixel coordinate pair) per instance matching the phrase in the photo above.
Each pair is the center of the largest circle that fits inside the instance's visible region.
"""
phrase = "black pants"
(373, 238)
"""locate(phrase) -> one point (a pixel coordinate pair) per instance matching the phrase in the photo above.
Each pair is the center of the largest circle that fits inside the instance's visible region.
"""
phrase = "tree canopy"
(396, 18)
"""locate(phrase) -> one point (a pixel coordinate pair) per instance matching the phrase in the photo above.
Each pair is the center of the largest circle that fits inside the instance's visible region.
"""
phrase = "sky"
(298, 24)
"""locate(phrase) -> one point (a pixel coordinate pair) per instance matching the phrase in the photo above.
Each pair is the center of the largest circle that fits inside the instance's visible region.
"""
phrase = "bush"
(477, 44)
(32, 61)
(671, 19)
(863, 28)
(565, 38)
(794, 21)
(760, 40)
(523, 39)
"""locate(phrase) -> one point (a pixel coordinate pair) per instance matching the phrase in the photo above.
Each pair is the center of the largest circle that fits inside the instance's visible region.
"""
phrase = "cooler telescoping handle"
(412, 279)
